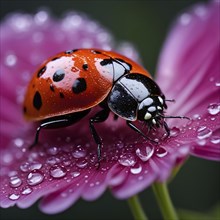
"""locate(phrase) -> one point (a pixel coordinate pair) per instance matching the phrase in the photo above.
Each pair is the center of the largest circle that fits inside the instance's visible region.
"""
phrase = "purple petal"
(188, 72)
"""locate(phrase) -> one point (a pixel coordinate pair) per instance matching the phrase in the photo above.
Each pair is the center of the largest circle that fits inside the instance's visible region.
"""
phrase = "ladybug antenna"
(170, 100)
(170, 116)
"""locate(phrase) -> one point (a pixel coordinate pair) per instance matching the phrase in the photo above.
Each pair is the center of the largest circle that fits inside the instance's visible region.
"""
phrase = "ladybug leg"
(45, 125)
(133, 127)
(59, 122)
(99, 117)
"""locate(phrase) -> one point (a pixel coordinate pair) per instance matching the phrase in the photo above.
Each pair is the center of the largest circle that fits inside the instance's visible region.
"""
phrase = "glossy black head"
(137, 97)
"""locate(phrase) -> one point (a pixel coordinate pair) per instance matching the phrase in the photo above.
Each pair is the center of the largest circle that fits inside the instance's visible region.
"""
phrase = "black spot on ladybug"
(79, 85)
(85, 66)
(52, 87)
(58, 75)
(96, 52)
(70, 51)
(55, 58)
(106, 62)
(24, 109)
(37, 101)
(41, 71)
(61, 95)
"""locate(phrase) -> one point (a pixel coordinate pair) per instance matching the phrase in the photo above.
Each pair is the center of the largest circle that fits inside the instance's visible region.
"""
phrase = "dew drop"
(15, 181)
(215, 140)
(145, 153)
(82, 163)
(10, 60)
(26, 191)
(136, 169)
(24, 167)
(161, 152)
(18, 142)
(53, 150)
(174, 132)
(7, 158)
(201, 142)
(14, 196)
(203, 132)
(127, 159)
(200, 11)
(35, 166)
(217, 84)
(185, 19)
(75, 173)
(29, 166)
(41, 17)
(79, 152)
(52, 160)
(196, 116)
(214, 108)
(35, 177)
(58, 171)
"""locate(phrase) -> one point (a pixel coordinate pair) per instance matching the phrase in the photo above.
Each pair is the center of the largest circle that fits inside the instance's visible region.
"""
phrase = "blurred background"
(144, 24)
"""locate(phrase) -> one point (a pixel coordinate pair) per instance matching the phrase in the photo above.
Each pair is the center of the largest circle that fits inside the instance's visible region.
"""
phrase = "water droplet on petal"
(14, 196)
(41, 17)
(82, 163)
(201, 142)
(18, 142)
(10, 60)
(185, 19)
(7, 158)
(161, 152)
(214, 108)
(35, 166)
(75, 173)
(217, 84)
(58, 171)
(200, 11)
(215, 140)
(26, 191)
(203, 132)
(79, 152)
(24, 167)
(136, 169)
(15, 181)
(52, 160)
(127, 159)
(145, 153)
(34, 178)
(53, 150)
(174, 132)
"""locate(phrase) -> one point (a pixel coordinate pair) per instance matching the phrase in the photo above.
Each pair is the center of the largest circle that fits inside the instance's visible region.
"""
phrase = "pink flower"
(61, 168)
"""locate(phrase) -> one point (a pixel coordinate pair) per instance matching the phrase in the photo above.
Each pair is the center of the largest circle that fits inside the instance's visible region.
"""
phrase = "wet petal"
(188, 71)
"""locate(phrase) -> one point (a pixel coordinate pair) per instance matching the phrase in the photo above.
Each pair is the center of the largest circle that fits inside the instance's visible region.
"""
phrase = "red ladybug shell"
(73, 81)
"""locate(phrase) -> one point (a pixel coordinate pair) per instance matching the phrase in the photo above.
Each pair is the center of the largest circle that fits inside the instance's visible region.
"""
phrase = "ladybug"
(67, 86)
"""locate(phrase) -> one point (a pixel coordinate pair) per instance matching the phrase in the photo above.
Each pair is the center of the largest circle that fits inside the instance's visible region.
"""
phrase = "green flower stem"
(163, 198)
(136, 208)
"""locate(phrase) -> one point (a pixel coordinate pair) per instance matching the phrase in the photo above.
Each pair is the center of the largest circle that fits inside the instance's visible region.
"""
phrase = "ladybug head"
(151, 110)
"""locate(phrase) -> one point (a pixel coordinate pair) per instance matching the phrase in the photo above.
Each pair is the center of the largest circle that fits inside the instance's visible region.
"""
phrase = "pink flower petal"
(188, 72)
